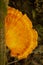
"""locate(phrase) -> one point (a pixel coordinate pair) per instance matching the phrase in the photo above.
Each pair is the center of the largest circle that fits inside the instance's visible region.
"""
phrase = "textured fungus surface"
(20, 37)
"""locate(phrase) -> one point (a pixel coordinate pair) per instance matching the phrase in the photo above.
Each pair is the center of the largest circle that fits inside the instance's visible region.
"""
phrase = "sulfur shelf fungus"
(20, 37)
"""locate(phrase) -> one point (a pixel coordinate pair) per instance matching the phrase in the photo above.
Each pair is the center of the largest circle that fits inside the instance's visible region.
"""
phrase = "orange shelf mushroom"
(20, 37)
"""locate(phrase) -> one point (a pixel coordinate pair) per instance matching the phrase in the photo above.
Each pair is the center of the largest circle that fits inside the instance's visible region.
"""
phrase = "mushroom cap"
(20, 37)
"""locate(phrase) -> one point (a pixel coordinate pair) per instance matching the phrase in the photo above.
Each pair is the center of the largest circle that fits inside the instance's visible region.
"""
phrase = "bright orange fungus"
(20, 37)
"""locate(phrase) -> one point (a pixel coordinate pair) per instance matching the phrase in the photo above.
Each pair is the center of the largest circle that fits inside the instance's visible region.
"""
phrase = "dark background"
(34, 10)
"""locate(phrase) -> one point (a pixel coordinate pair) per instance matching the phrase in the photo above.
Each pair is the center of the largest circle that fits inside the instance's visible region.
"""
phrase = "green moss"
(3, 12)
